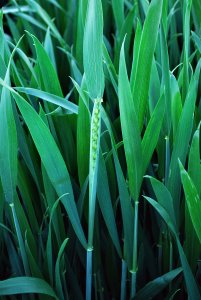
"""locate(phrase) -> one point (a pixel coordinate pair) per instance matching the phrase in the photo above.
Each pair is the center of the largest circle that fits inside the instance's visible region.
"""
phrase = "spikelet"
(95, 131)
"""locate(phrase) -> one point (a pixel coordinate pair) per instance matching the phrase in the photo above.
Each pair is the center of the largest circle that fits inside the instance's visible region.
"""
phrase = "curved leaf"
(24, 285)
(154, 287)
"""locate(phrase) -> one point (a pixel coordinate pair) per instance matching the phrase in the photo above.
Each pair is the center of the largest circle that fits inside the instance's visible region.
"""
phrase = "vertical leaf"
(145, 57)
(8, 136)
(151, 134)
(8, 147)
(136, 49)
(48, 72)
(92, 49)
(130, 129)
(83, 139)
(166, 80)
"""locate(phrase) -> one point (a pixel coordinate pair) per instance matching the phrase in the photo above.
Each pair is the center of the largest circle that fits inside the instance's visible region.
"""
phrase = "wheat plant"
(100, 173)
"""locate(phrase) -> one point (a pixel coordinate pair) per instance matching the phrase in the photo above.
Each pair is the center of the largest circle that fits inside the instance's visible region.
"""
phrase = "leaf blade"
(92, 49)
(130, 129)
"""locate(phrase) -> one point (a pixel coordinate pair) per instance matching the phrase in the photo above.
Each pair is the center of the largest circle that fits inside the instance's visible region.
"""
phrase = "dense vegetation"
(100, 149)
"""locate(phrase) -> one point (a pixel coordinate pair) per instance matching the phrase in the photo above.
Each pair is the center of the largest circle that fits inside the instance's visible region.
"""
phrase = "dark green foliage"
(100, 174)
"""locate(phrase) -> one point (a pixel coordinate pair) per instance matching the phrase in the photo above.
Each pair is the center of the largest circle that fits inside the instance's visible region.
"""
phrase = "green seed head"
(95, 130)
(96, 111)
(96, 119)
(94, 139)
(94, 146)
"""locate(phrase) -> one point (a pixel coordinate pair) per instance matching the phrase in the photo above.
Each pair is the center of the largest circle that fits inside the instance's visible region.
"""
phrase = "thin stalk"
(167, 158)
(133, 284)
(123, 279)
(135, 238)
(89, 274)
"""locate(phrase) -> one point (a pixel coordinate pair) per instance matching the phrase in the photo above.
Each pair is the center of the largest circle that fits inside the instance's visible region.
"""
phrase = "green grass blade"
(24, 285)
(92, 49)
(83, 139)
(145, 58)
(8, 149)
(164, 197)
(48, 46)
(176, 105)
(79, 35)
(130, 130)
(8, 134)
(136, 49)
(48, 72)
(54, 99)
(153, 288)
(151, 134)
(166, 80)
(52, 160)
(110, 68)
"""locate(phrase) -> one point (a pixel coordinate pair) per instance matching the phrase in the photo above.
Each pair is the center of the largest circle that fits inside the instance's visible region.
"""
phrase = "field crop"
(100, 171)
